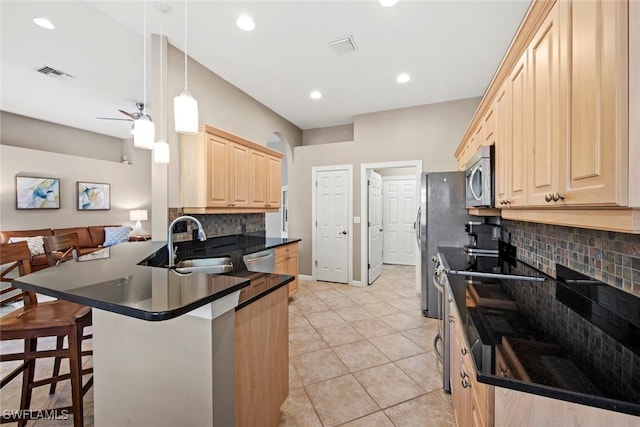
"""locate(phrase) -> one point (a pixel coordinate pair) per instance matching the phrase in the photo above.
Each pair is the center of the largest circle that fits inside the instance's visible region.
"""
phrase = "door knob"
(343, 232)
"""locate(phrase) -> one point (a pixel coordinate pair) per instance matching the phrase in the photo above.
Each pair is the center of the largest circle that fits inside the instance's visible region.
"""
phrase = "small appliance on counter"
(482, 237)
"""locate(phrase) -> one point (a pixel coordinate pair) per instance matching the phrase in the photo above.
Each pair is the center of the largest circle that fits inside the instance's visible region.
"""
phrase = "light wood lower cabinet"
(472, 401)
(287, 263)
(262, 360)
(515, 408)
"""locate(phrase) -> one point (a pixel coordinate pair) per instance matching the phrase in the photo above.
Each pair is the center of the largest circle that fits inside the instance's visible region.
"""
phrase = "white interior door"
(399, 197)
(332, 225)
(374, 181)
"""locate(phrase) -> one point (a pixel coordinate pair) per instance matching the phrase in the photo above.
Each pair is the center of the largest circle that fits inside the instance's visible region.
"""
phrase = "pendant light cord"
(185, 44)
(144, 55)
(161, 82)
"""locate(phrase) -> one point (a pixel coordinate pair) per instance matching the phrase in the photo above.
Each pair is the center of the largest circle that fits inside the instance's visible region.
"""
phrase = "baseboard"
(357, 283)
(304, 277)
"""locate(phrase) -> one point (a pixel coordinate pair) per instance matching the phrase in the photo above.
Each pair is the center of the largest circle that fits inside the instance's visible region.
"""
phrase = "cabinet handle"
(463, 351)
(451, 318)
(228, 203)
(558, 196)
(548, 197)
(450, 299)
(465, 384)
(505, 373)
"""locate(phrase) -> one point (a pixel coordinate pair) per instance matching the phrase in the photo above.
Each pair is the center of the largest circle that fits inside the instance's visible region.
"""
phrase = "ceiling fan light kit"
(161, 152)
(185, 107)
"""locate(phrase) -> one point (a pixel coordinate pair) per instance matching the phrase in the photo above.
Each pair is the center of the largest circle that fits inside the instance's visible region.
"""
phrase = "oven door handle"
(471, 179)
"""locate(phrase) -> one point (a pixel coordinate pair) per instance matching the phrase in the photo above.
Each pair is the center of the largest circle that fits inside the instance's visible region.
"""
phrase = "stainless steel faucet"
(201, 236)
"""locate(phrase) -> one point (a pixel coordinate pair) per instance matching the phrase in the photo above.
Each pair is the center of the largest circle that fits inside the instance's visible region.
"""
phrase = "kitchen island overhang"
(163, 342)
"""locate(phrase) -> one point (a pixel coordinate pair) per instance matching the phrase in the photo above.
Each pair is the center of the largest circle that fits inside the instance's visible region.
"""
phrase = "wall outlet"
(356, 220)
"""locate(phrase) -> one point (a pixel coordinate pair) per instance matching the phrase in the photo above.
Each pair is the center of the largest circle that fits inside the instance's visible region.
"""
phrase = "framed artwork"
(93, 196)
(37, 193)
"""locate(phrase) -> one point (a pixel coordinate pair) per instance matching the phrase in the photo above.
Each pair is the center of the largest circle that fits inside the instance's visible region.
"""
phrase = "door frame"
(364, 241)
(398, 178)
(314, 188)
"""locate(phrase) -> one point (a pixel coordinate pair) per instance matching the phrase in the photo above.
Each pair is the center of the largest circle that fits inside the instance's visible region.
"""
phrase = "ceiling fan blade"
(113, 118)
(127, 114)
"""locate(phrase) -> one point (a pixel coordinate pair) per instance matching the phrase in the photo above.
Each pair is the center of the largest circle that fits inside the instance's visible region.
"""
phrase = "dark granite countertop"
(556, 341)
(115, 280)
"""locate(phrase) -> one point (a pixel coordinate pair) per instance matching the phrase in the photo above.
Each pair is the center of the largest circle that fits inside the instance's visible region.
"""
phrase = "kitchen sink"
(205, 265)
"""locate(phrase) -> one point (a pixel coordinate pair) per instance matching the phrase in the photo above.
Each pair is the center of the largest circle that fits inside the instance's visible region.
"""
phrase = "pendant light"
(161, 148)
(143, 127)
(185, 107)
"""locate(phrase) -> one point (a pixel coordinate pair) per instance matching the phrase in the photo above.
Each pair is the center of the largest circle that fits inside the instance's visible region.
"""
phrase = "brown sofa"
(91, 238)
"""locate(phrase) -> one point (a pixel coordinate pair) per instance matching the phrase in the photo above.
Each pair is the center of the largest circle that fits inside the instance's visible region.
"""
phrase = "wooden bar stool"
(37, 320)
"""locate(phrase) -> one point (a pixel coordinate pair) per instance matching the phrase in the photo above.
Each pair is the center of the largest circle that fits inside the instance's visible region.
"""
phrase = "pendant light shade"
(161, 152)
(185, 109)
(143, 133)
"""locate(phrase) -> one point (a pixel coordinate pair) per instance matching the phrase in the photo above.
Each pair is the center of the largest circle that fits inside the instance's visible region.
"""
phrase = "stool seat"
(41, 319)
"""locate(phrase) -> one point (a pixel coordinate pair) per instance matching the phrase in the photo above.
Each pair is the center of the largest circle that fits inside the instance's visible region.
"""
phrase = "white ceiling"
(450, 48)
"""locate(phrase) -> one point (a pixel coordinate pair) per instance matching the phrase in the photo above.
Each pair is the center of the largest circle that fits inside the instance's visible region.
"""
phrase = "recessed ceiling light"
(316, 94)
(245, 22)
(388, 3)
(403, 78)
(44, 23)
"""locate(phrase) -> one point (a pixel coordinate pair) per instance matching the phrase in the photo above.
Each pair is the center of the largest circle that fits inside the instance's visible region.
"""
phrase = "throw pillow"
(115, 235)
(36, 244)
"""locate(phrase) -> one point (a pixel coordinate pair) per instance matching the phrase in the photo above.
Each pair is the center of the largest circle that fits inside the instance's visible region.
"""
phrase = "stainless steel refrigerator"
(440, 222)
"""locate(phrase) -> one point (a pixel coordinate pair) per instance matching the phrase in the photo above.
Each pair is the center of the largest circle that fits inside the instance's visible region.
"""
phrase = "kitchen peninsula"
(165, 342)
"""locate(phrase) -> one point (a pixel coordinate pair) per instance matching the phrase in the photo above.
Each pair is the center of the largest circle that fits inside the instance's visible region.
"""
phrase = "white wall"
(430, 133)
(130, 186)
(327, 135)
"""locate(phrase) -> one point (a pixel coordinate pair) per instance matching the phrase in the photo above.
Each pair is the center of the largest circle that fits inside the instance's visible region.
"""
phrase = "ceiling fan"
(131, 116)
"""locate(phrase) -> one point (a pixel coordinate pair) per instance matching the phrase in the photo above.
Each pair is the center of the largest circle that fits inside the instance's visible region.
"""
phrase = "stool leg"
(75, 367)
(30, 345)
(56, 364)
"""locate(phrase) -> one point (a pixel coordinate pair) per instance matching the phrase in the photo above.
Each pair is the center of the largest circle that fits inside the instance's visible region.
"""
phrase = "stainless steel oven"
(479, 179)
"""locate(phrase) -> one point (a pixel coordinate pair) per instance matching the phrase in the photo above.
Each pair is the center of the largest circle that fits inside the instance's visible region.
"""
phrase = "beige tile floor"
(363, 356)
(358, 357)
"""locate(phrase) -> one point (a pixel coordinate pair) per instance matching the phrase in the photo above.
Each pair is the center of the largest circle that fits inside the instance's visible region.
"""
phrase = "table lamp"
(138, 215)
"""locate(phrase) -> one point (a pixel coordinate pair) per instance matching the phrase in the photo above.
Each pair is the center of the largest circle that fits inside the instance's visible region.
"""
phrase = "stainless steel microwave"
(479, 180)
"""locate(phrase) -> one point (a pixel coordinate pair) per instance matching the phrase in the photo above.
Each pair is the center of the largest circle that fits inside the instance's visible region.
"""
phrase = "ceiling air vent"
(52, 72)
(343, 45)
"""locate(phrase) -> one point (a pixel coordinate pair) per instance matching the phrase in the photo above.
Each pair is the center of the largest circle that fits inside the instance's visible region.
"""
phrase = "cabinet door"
(273, 182)
(257, 182)
(596, 157)
(489, 126)
(292, 268)
(503, 141)
(546, 113)
(217, 172)
(238, 175)
(517, 152)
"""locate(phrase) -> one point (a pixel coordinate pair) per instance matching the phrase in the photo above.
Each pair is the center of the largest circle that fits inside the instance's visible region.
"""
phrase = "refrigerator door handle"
(417, 225)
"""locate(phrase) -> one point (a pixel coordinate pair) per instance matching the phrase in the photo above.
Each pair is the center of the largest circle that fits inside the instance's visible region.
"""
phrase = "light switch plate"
(356, 220)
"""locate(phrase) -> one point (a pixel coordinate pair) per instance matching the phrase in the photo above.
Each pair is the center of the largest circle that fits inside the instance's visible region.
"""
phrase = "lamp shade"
(138, 215)
(185, 113)
(143, 133)
(161, 152)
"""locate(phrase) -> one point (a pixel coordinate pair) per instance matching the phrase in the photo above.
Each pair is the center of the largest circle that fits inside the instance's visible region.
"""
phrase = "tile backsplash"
(221, 224)
(613, 258)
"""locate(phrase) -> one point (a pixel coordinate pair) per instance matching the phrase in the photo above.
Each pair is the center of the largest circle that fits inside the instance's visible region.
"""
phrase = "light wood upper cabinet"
(502, 110)
(516, 153)
(548, 114)
(238, 175)
(223, 173)
(574, 138)
(597, 68)
(264, 176)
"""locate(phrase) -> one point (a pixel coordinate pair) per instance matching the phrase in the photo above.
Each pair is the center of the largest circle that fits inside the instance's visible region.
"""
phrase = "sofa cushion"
(83, 235)
(36, 244)
(97, 233)
(5, 235)
(115, 235)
